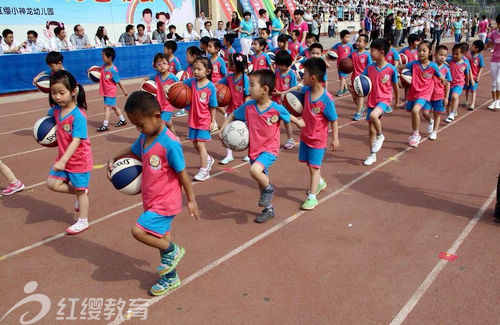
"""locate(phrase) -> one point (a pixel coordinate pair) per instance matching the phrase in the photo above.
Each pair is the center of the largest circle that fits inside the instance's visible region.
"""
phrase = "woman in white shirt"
(101, 37)
(189, 34)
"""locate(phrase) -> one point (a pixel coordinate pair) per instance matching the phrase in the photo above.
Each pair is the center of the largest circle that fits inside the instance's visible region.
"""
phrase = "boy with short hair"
(260, 60)
(476, 62)
(174, 65)
(265, 34)
(54, 61)
(460, 73)
(360, 59)
(294, 44)
(343, 50)
(263, 116)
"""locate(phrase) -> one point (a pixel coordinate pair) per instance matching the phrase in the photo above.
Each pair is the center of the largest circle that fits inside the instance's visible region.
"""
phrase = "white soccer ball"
(235, 136)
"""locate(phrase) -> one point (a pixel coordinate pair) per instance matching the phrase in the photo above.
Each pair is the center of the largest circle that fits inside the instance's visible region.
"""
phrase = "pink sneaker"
(289, 144)
(13, 188)
(414, 140)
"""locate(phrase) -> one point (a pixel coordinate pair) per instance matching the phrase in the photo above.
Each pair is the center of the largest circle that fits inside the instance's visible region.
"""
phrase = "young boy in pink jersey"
(228, 46)
(259, 59)
(163, 79)
(294, 45)
(70, 173)
(460, 71)
(163, 177)
(107, 88)
(343, 50)
(286, 80)
(169, 49)
(305, 53)
(192, 53)
(54, 61)
(411, 50)
(318, 112)
(266, 34)
(421, 89)
(476, 62)
(360, 59)
(439, 98)
(384, 78)
(393, 55)
(263, 116)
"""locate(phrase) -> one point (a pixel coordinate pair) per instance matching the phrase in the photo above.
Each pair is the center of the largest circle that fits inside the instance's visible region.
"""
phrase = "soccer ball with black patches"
(235, 136)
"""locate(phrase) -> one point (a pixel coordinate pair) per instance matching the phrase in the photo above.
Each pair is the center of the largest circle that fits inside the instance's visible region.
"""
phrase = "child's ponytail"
(67, 79)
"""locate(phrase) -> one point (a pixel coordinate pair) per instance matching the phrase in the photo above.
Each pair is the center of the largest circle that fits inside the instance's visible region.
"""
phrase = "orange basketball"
(223, 95)
(346, 66)
(179, 95)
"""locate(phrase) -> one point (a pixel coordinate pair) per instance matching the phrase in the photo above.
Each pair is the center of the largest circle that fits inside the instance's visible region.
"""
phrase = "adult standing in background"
(160, 33)
(388, 23)
(277, 27)
(235, 23)
(457, 30)
(438, 29)
(482, 28)
(200, 21)
(368, 23)
(315, 27)
(332, 24)
(246, 31)
(127, 38)
(189, 34)
(494, 43)
(474, 26)
(79, 40)
(398, 22)
(299, 24)
(101, 37)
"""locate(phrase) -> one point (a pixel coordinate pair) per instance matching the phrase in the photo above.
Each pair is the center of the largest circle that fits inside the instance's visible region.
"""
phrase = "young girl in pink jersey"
(202, 113)
(70, 172)
(239, 85)
(192, 53)
(163, 177)
(218, 65)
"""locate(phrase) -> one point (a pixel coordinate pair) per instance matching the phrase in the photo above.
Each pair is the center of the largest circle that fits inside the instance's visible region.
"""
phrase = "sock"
(321, 181)
(15, 181)
(311, 196)
(105, 123)
(121, 117)
(169, 249)
(416, 133)
(229, 153)
(83, 220)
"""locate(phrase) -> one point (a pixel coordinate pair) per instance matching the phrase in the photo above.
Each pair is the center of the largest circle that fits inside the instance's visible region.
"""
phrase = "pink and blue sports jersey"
(360, 61)
(161, 85)
(392, 56)
(219, 70)
(476, 62)
(306, 53)
(439, 88)
(108, 81)
(174, 65)
(343, 51)
(73, 125)
(317, 114)
(325, 78)
(459, 70)
(260, 61)
(295, 48)
(269, 45)
(162, 160)
(263, 126)
(412, 55)
(228, 52)
(382, 83)
(240, 88)
(202, 99)
(422, 83)
(284, 82)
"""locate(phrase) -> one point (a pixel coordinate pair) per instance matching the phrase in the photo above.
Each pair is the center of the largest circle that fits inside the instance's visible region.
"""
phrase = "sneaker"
(339, 93)
(266, 196)
(265, 215)
(357, 116)
(455, 113)
(121, 123)
(321, 186)
(389, 110)
(309, 204)
(246, 158)
(492, 106)
(13, 188)
(180, 113)
(433, 135)
(450, 118)
(430, 126)
(210, 162)
(377, 144)
(78, 227)
(102, 128)
(414, 140)
(203, 174)
(289, 144)
(370, 160)
(471, 107)
(497, 105)
(165, 284)
(226, 160)
(346, 91)
(216, 127)
(170, 260)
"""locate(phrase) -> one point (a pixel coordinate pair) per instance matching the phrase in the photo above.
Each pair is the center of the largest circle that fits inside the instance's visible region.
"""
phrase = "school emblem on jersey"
(316, 110)
(287, 82)
(262, 61)
(108, 76)
(67, 127)
(273, 119)
(385, 79)
(238, 88)
(203, 97)
(362, 60)
(462, 68)
(389, 58)
(215, 68)
(427, 75)
(346, 50)
(155, 162)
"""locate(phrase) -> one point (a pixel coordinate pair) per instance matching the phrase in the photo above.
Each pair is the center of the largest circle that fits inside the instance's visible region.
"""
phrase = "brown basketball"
(346, 66)
(179, 95)
(223, 95)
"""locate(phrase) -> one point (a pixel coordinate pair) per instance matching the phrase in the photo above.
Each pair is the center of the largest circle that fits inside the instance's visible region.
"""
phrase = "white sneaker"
(203, 174)
(471, 107)
(377, 144)
(433, 135)
(414, 140)
(450, 118)
(455, 113)
(78, 227)
(246, 158)
(210, 162)
(180, 113)
(497, 105)
(226, 160)
(370, 160)
(430, 126)
(493, 105)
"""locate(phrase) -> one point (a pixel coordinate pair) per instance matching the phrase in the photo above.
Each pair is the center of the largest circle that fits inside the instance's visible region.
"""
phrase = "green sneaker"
(320, 187)
(309, 204)
(165, 284)
(170, 260)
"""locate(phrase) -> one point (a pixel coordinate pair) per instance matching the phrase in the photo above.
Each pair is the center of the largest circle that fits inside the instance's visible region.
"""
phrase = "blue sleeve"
(396, 55)
(369, 58)
(175, 156)
(246, 85)
(410, 65)
(173, 77)
(448, 59)
(178, 66)
(284, 114)
(239, 113)
(223, 81)
(436, 69)
(402, 50)
(394, 77)
(336, 46)
(448, 75)
(51, 112)
(329, 111)
(152, 77)
(116, 75)
(79, 126)
(223, 68)
(293, 79)
(188, 81)
(268, 60)
(365, 71)
(212, 102)
(467, 67)
(481, 61)
(136, 146)
(301, 61)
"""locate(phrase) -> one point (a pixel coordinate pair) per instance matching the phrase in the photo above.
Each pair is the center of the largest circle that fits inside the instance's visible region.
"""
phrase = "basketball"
(44, 131)
(235, 136)
(43, 83)
(179, 95)
(149, 86)
(126, 175)
(332, 55)
(272, 56)
(362, 85)
(403, 58)
(294, 102)
(346, 66)
(406, 78)
(94, 73)
(182, 75)
(223, 95)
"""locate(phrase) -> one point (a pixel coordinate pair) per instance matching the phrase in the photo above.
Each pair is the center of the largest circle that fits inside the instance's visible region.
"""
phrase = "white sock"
(105, 123)
(121, 117)
(311, 196)
(321, 181)
(416, 133)
(229, 153)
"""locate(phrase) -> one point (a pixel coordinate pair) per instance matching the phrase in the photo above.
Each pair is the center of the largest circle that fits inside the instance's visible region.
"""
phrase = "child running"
(318, 112)
(15, 185)
(163, 177)
(263, 116)
(192, 53)
(476, 62)
(361, 58)
(70, 172)
(460, 70)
